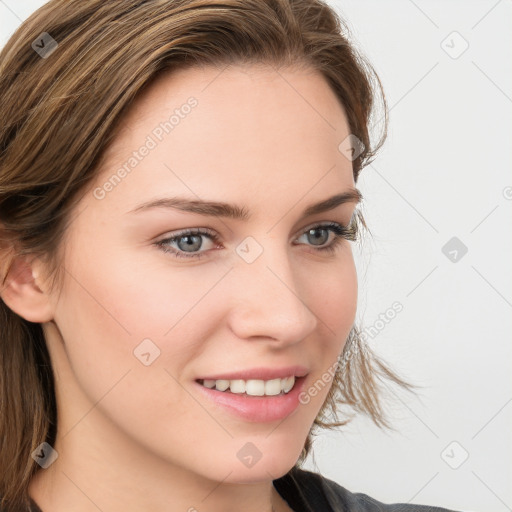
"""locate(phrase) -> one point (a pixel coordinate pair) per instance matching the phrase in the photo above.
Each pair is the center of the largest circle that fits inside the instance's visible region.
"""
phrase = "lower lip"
(257, 408)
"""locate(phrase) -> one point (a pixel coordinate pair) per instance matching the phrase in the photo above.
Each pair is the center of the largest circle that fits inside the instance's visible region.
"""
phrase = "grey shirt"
(306, 491)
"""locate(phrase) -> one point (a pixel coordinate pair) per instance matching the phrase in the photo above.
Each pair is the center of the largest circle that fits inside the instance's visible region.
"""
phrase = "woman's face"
(135, 326)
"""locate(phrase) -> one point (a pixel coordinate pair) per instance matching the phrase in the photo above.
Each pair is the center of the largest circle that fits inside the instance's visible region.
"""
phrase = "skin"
(138, 438)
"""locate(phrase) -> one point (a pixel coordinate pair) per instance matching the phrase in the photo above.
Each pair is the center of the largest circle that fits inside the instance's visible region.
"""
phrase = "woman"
(177, 200)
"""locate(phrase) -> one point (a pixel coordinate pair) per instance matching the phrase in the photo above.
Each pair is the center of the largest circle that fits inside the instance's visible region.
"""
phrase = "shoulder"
(305, 490)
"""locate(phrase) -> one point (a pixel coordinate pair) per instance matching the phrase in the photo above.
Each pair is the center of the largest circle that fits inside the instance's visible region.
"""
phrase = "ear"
(21, 291)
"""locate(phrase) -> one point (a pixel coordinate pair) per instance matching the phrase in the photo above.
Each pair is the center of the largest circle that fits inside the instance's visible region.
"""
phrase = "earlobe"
(22, 294)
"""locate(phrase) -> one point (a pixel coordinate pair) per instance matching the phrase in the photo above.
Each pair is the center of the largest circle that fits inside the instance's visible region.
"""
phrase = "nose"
(267, 300)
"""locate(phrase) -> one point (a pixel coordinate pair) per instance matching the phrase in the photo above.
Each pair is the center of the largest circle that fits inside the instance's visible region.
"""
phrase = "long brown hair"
(62, 95)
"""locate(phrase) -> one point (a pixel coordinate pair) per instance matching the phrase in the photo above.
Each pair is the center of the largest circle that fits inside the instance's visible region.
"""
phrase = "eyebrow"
(233, 211)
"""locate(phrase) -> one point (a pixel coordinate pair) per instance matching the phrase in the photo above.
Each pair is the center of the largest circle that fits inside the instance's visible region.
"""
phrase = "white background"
(444, 172)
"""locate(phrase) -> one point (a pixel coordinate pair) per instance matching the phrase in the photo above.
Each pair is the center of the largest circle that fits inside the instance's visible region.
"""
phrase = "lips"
(255, 408)
(260, 373)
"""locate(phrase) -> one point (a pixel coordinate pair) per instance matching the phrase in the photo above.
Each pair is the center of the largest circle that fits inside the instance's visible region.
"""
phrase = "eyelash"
(350, 232)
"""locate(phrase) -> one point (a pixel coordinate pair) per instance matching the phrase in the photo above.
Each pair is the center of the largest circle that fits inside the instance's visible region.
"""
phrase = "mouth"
(253, 387)
(248, 399)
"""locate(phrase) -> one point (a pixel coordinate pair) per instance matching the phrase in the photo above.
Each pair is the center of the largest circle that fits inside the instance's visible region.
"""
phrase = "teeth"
(252, 387)
(237, 386)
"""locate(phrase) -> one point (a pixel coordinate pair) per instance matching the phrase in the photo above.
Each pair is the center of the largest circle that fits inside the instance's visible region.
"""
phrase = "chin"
(261, 461)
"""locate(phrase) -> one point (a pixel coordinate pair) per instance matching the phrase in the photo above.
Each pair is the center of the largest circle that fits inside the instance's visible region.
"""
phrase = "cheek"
(103, 325)
(340, 299)
(333, 297)
(335, 304)
(109, 310)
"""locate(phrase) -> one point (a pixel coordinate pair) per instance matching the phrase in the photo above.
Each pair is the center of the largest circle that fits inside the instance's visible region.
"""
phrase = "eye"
(339, 231)
(188, 242)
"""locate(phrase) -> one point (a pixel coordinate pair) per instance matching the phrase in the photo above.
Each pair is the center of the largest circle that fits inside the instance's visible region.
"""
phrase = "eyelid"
(202, 231)
(187, 231)
(321, 223)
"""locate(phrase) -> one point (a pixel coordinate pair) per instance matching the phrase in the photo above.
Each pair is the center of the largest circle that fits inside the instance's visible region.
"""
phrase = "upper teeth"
(252, 387)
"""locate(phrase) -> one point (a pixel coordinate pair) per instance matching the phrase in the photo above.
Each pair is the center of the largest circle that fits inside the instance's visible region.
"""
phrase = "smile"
(253, 387)
(258, 407)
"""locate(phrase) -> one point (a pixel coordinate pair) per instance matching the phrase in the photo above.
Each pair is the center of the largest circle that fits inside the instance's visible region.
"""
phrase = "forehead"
(219, 129)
